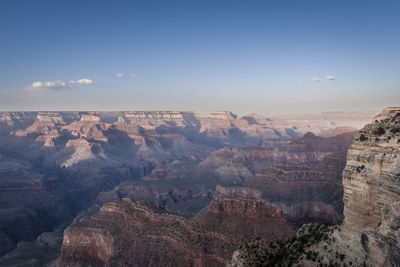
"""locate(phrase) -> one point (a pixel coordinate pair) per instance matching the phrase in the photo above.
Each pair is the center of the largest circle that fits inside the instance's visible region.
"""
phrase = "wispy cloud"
(330, 77)
(82, 81)
(119, 75)
(137, 75)
(315, 79)
(55, 85)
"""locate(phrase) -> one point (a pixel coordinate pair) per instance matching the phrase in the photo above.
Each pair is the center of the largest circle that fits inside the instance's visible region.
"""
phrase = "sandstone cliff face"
(134, 233)
(370, 233)
(371, 182)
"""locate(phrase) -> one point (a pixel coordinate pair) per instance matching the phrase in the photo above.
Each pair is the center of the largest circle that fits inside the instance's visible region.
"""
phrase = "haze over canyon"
(156, 188)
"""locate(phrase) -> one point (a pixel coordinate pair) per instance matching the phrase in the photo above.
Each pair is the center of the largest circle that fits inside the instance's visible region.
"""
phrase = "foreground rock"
(372, 188)
(134, 233)
(370, 233)
(314, 245)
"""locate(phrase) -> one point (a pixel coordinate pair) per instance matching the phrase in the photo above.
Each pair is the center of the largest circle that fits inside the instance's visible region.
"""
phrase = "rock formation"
(370, 233)
(53, 165)
(138, 234)
(371, 183)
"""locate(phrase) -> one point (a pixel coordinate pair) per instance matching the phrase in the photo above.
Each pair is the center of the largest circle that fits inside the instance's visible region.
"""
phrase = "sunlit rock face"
(46, 126)
(217, 129)
(371, 182)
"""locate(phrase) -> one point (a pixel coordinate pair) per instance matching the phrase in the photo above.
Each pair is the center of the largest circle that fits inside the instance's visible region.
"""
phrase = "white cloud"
(82, 81)
(315, 79)
(330, 77)
(134, 75)
(48, 85)
(119, 75)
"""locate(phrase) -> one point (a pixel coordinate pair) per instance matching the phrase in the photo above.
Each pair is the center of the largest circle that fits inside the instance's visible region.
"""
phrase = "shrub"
(363, 138)
(379, 130)
(359, 168)
(395, 130)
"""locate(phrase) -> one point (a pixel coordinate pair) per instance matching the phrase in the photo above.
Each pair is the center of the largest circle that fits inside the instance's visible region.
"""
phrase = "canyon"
(369, 235)
(134, 233)
(302, 178)
(217, 169)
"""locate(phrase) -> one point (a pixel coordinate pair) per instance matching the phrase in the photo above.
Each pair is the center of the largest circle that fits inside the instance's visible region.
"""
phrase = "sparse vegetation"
(379, 131)
(363, 137)
(360, 168)
(395, 130)
(286, 253)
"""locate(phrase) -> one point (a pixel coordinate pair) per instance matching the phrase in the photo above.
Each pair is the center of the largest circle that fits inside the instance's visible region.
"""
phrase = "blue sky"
(243, 56)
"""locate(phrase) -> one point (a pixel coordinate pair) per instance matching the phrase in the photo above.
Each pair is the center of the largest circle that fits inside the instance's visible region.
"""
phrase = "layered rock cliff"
(370, 233)
(304, 180)
(134, 233)
(371, 183)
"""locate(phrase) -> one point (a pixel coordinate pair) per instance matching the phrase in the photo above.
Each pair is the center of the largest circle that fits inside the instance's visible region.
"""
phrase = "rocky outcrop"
(46, 126)
(134, 233)
(370, 233)
(313, 245)
(89, 127)
(371, 182)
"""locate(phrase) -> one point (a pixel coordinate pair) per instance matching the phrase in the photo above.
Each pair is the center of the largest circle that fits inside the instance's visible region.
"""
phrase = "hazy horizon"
(201, 113)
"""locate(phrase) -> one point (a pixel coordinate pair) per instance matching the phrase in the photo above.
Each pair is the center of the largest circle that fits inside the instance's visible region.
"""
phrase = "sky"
(266, 57)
